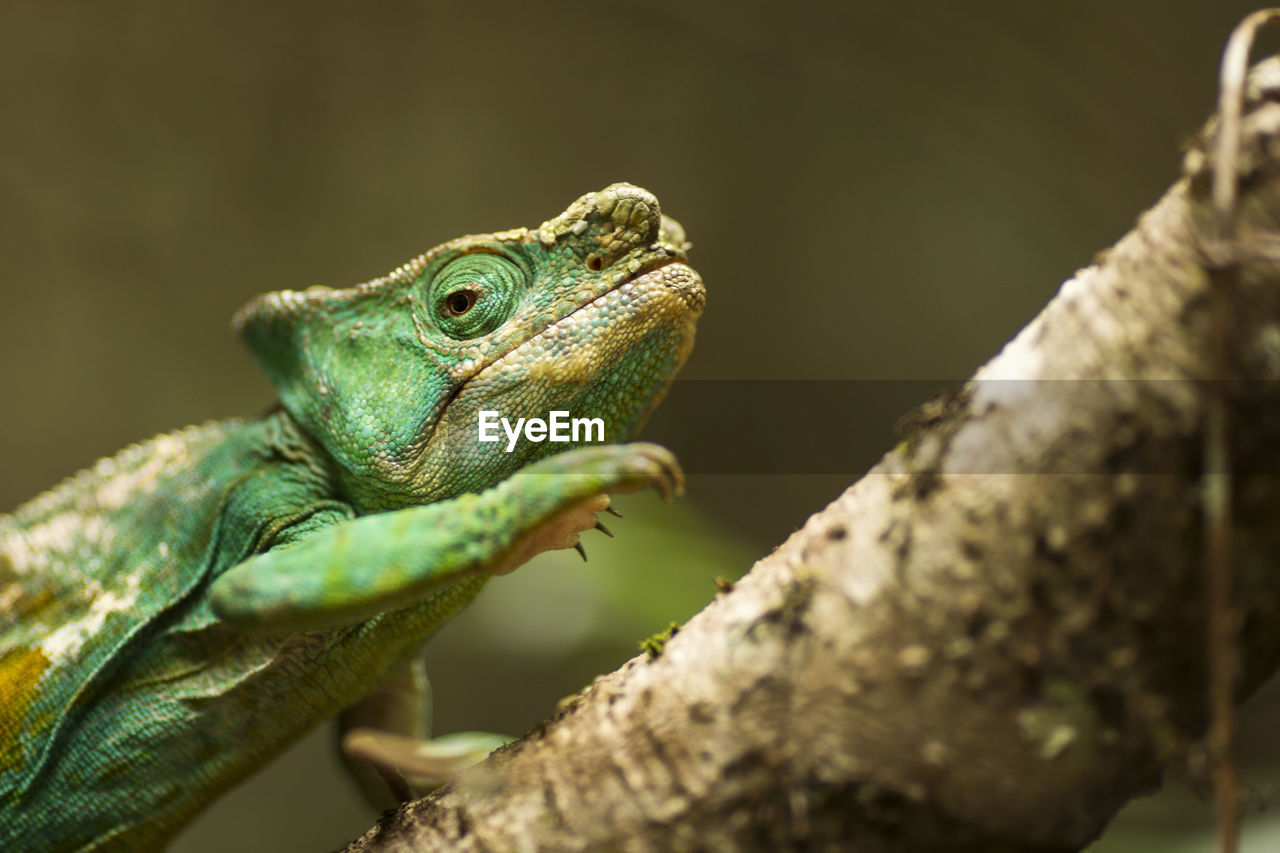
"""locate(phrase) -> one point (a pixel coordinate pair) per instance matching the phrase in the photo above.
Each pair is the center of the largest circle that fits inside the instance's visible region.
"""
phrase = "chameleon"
(173, 617)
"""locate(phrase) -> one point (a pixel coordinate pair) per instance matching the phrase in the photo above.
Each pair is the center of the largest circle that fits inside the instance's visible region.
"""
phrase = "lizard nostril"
(595, 262)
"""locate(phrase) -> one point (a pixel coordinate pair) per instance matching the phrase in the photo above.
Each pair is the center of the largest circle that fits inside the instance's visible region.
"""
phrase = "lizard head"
(591, 313)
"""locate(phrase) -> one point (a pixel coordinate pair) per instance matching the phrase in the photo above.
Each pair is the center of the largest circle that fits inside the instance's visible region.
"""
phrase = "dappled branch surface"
(992, 640)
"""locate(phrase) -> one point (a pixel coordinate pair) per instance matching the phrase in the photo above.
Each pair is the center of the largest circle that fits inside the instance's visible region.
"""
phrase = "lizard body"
(173, 617)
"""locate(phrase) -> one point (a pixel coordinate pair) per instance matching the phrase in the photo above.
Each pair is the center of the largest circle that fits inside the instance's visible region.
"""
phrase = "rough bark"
(993, 639)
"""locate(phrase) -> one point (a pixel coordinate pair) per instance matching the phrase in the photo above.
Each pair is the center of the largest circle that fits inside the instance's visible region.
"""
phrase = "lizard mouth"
(680, 280)
(663, 293)
(655, 309)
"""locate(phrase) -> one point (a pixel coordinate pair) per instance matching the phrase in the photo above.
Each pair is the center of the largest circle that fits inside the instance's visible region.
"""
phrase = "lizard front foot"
(610, 468)
(359, 568)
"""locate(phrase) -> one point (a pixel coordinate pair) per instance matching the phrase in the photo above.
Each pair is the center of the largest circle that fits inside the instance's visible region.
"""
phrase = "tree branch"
(992, 640)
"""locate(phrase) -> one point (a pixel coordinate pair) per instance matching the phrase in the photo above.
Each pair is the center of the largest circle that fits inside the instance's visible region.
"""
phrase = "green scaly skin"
(175, 616)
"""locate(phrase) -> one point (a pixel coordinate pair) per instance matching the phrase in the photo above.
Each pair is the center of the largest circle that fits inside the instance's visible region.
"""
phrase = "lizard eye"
(474, 294)
(460, 301)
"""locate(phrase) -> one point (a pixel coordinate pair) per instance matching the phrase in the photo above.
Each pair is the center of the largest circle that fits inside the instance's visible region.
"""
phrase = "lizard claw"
(654, 466)
(597, 473)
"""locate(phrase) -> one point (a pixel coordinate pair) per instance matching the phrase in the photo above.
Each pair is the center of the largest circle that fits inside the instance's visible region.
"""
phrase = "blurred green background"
(878, 191)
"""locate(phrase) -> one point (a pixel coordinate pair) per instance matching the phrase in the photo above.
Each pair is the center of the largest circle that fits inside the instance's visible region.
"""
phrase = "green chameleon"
(176, 615)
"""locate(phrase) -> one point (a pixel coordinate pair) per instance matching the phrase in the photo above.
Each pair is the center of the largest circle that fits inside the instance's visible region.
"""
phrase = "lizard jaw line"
(667, 279)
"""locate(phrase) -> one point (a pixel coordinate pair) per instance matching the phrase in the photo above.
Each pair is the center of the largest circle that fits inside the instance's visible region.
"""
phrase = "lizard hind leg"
(385, 742)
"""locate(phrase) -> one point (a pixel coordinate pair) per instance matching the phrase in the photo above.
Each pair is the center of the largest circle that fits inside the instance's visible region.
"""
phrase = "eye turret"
(474, 294)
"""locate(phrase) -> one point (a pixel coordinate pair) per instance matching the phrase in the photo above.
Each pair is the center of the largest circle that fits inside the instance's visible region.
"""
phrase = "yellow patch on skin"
(20, 671)
(33, 606)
